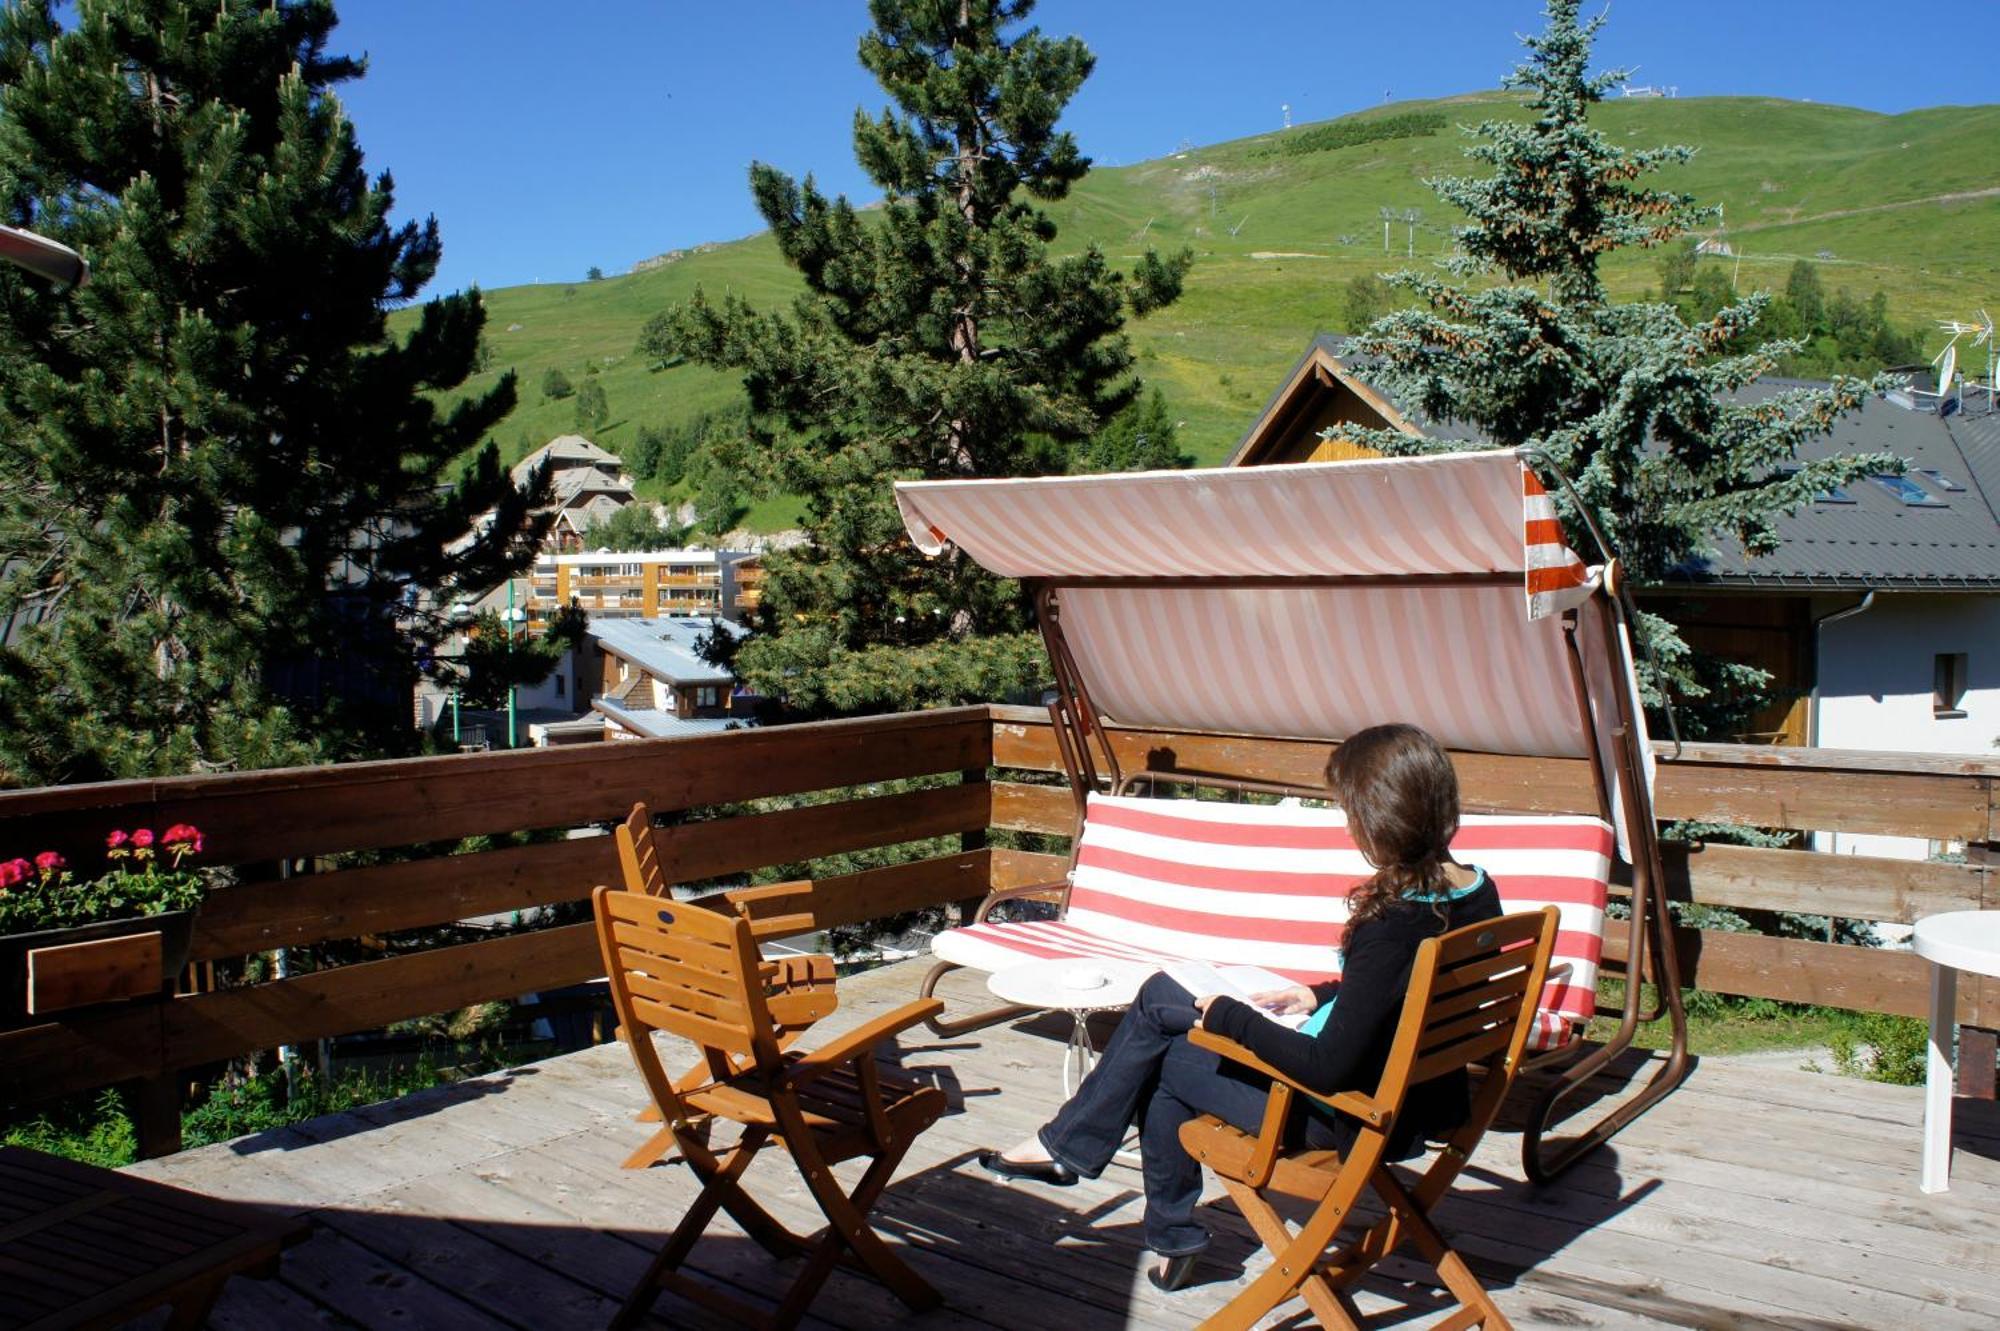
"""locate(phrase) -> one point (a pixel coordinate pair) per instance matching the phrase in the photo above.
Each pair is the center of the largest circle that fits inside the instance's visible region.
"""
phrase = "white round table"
(1963, 940)
(1078, 986)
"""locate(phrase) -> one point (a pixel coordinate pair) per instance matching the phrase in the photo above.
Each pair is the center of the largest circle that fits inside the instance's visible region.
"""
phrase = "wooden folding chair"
(693, 972)
(799, 988)
(1471, 1003)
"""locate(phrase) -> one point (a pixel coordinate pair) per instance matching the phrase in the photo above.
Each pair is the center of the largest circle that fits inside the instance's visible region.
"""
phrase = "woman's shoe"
(1170, 1273)
(1052, 1172)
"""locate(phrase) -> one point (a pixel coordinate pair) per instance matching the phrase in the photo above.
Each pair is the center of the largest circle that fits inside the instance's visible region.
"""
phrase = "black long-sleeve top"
(1352, 1048)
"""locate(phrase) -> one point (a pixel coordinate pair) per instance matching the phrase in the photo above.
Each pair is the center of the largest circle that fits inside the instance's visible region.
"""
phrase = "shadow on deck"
(1757, 1195)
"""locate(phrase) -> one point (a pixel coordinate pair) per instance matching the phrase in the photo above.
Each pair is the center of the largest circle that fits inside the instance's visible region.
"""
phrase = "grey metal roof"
(1949, 544)
(665, 648)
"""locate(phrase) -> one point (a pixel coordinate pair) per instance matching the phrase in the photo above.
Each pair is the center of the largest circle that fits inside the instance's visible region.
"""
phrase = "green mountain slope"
(1909, 204)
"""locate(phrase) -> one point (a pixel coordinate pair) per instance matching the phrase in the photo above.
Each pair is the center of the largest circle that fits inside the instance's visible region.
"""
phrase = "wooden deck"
(1758, 1195)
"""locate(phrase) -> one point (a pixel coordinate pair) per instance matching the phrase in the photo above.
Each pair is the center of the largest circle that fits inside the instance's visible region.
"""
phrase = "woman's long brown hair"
(1401, 797)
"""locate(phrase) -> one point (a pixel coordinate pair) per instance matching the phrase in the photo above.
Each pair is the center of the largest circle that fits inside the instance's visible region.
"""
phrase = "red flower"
(116, 841)
(49, 862)
(142, 838)
(14, 872)
(182, 836)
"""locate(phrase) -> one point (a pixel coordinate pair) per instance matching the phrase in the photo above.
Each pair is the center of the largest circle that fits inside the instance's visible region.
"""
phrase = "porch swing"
(1307, 602)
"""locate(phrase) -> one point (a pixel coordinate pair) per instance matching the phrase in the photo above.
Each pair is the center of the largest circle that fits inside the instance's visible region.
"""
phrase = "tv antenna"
(1982, 335)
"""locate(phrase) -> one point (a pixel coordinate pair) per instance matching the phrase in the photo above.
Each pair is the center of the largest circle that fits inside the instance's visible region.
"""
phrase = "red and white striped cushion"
(1266, 885)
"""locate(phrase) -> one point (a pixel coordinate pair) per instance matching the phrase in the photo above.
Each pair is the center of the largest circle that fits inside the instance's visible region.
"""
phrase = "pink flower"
(14, 872)
(50, 863)
(184, 837)
(116, 841)
(142, 838)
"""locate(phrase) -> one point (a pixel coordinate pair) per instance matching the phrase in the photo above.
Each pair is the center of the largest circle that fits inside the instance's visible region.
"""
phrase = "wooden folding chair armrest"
(1347, 1102)
(861, 1041)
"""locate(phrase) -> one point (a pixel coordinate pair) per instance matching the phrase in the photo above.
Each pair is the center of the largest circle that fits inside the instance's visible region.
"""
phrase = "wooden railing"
(275, 823)
(290, 830)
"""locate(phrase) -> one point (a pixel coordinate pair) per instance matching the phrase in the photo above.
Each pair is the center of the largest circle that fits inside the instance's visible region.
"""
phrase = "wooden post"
(969, 841)
(155, 1106)
(1978, 1057)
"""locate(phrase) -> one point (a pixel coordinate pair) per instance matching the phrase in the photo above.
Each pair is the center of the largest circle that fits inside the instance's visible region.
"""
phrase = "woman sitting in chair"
(1401, 798)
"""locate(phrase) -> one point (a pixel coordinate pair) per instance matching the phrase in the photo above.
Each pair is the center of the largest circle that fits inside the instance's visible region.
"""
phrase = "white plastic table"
(1963, 940)
(1078, 986)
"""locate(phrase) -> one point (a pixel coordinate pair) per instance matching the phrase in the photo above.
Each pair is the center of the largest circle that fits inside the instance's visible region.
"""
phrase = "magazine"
(1200, 979)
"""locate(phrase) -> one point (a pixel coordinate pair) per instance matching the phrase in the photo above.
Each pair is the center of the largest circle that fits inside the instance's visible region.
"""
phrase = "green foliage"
(1677, 264)
(99, 1133)
(1353, 133)
(556, 385)
(1139, 438)
(495, 661)
(938, 336)
(1880, 1047)
(222, 497)
(595, 274)
(634, 527)
(1364, 299)
(1628, 400)
(592, 410)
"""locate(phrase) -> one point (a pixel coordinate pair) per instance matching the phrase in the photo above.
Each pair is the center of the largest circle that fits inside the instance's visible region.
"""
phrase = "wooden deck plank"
(1754, 1196)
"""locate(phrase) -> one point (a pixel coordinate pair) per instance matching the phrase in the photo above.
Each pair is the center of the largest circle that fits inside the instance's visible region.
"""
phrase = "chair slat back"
(1472, 1000)
(639, 854)
(686, 970)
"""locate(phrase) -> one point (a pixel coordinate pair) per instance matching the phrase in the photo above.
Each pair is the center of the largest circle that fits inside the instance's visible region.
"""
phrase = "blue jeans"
(1151, 1075)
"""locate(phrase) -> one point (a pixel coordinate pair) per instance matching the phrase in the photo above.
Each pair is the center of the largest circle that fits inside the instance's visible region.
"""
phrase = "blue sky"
(550, 138)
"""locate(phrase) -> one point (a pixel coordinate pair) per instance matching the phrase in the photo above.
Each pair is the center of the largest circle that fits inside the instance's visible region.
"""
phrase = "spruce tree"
(1634, 403)
(220, 478)
(938, 337)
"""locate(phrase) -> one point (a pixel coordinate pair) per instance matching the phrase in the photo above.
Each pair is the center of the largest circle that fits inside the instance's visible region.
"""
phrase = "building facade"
(647, 584)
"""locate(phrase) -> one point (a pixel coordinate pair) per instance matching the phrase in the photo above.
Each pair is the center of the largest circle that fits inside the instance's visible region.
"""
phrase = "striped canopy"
(1212, 599)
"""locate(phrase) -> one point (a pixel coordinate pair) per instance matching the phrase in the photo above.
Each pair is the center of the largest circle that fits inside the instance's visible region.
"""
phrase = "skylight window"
(1908, 491)
(1940, 480)
(1836, 495)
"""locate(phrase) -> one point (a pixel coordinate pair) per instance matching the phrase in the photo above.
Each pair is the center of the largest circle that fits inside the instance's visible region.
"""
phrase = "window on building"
(1907, 490)
(1942, 481)
(1948, 685)
(705, 698)
(559, 685)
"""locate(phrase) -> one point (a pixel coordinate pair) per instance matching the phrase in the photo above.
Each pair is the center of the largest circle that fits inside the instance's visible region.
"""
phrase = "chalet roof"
(667, 648)
(1950, 541)
(563, 452)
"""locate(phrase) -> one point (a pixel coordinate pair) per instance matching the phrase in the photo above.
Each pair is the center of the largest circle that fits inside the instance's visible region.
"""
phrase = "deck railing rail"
(987, 768)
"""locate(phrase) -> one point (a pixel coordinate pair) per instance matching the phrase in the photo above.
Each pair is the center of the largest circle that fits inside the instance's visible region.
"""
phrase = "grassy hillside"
(1908, 204)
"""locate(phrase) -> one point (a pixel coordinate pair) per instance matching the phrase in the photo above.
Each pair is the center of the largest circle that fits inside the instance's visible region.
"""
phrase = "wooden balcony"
(1754, 1195)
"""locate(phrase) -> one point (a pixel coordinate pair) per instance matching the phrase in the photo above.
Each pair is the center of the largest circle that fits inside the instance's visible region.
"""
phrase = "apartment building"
(640, 584)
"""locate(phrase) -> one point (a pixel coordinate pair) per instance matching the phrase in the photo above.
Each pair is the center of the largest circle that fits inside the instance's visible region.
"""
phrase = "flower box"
(69, 941)
(55, 970)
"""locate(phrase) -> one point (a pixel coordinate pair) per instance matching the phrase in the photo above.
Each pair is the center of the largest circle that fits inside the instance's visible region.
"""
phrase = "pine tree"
(938, 337)
(1631, 401)
(218, 474)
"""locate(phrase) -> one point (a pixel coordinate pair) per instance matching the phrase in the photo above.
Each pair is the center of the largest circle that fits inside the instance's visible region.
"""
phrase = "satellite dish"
(1947, 367)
